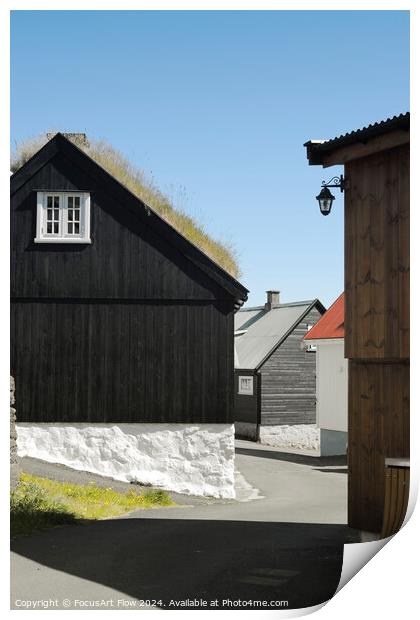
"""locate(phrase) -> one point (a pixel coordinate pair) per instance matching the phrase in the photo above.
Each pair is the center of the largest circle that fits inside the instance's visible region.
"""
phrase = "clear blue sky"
(217, 105)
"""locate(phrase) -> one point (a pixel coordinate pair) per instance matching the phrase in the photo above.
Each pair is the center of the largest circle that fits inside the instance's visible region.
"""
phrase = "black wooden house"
(116, 317)
(275, 377)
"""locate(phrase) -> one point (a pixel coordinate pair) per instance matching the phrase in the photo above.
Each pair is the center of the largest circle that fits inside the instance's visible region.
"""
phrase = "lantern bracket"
(337, 182)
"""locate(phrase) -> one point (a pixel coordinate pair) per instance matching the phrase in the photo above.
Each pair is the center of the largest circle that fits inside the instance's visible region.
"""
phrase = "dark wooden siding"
(122, 362)
(127, 329)
(246, 407)
(126, 259)
(288, 380)
(377, 325)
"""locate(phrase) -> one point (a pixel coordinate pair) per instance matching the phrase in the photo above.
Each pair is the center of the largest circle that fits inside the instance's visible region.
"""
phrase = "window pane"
(62, 215)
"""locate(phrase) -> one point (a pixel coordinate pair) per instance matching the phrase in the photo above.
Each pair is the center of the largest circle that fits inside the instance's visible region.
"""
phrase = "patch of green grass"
(40, 503)
(222, 252)
(32, 509)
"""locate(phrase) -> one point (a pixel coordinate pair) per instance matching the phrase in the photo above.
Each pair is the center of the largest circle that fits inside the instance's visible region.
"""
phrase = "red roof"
(331, 324)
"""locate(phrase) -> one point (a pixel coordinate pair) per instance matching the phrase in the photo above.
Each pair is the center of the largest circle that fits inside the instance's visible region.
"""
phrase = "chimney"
(80, 139)
(273, 300)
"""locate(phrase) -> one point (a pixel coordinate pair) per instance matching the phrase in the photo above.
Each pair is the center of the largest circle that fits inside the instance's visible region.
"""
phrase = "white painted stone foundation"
(194, 459)
(298, 436)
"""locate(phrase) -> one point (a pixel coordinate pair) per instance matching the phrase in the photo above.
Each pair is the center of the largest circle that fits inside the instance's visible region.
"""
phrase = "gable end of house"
(123, 196)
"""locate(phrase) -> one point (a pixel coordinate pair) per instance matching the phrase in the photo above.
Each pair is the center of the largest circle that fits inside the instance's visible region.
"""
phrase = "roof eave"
(315, 341)
(360, 143)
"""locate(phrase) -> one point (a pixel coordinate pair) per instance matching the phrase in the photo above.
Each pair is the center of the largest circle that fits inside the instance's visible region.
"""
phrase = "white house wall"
(332, 382)
(196, 459)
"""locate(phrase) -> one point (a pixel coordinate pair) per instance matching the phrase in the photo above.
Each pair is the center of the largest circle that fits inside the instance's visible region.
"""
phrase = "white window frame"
(310, 347)
(249, 390)
(62, 237)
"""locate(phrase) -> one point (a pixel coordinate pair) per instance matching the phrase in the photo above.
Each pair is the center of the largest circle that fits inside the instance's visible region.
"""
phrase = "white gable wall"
(331, 388)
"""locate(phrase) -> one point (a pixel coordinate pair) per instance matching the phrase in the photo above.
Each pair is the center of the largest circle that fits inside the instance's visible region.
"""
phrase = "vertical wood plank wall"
(126, 329)
(377, 255)
(89, 361)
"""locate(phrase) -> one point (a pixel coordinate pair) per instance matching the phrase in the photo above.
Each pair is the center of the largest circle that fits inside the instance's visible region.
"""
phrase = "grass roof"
(134, 179)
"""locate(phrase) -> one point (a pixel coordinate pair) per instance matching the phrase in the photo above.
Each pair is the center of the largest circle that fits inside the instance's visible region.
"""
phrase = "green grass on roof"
(134, 179)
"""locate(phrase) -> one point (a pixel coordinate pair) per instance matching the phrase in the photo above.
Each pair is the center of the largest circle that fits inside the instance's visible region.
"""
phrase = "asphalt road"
(285, 546)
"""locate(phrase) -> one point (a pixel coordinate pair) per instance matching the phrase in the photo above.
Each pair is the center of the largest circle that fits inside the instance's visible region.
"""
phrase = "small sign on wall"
(246, 385)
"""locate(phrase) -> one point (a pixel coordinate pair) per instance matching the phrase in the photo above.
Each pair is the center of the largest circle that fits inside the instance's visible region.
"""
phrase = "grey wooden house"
(274, 375)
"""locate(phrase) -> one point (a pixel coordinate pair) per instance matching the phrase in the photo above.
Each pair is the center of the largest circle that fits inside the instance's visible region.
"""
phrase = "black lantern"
(325, 199)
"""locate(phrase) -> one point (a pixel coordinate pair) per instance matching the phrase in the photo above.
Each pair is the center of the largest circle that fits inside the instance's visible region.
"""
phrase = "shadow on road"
(299, 459)
(166, 559)
(332, 470)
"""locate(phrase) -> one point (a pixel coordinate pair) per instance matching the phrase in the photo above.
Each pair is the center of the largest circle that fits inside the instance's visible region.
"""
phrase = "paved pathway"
(286, 546)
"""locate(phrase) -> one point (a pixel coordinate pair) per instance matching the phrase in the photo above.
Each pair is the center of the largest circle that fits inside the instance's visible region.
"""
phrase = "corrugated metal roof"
(318, 147)
(331, 324)
(265, 330)
(246, 316)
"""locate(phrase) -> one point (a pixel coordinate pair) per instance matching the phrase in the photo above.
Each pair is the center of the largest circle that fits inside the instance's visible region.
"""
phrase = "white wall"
(332, 382)
(295, 436)
(194, 459)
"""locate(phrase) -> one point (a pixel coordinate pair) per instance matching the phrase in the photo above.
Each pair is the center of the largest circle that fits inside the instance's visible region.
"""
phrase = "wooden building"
(274, 377)
(377, 328)
(122, 330)
(327, 336)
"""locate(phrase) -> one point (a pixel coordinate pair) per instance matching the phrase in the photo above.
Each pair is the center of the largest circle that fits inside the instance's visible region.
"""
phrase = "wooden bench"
(397, 486)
